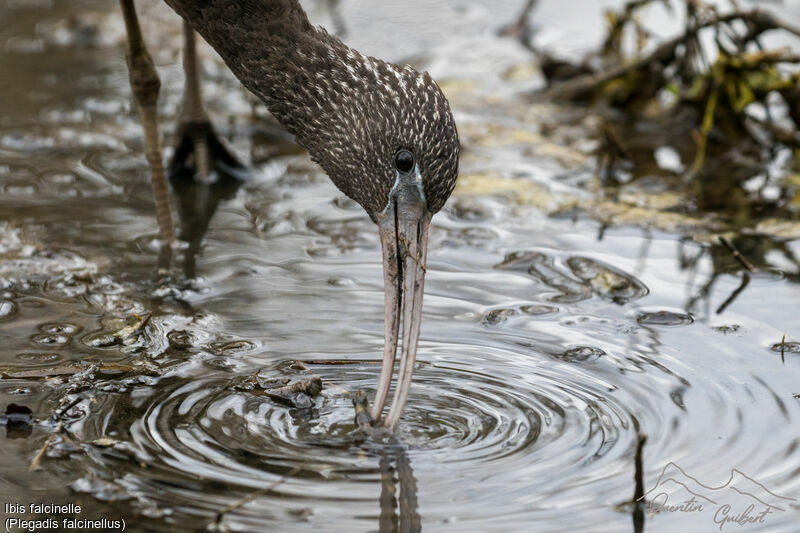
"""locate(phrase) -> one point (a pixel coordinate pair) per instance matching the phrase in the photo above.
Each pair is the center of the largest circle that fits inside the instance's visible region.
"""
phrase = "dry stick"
(778, 56)
(737, 255)
(762, 20)
(627, 15)
(515, 29)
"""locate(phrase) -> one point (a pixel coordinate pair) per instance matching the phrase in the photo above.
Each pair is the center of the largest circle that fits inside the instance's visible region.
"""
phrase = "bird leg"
(145, 86)
(198, 151)
(202, 171)
(195, 126)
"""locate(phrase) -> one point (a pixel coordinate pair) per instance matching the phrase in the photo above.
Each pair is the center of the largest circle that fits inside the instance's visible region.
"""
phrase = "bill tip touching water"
(384, 134)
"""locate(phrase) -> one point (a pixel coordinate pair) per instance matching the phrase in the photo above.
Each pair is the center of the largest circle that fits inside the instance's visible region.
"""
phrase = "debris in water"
(125, 335)
(362, 420)
(298, 394)
(726, 328)
(664, 318)
(232, 348)
(581, 354)
(37, 460)
(784, 347)
(65, 370)
(104, 442)
(497, 316)
(606, 281)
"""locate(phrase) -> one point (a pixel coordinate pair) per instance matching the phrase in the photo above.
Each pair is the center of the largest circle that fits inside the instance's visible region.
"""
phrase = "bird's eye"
(404, 161)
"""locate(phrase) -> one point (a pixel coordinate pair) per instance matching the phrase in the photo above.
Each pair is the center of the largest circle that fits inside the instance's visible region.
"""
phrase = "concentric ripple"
(522, 425)
(548, 343)
(521, 410)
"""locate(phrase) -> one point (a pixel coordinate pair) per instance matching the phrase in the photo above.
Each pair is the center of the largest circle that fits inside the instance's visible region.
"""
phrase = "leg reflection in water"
(198, 199)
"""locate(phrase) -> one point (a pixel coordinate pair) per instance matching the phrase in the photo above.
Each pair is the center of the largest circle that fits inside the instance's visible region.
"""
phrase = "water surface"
(549, 342)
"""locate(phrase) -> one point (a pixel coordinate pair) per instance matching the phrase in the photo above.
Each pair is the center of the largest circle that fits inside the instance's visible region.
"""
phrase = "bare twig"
(253, 495)
(737, 255)
(59, 413)
(515, 29)
(638, 492)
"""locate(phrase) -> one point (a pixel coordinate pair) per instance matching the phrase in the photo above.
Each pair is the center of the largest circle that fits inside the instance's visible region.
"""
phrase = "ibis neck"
(276, 53)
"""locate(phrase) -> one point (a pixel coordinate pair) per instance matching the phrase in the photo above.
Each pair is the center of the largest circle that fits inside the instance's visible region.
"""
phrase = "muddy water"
(549, 341)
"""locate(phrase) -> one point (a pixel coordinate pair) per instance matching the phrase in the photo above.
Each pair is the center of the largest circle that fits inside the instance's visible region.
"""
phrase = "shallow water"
(548, 344)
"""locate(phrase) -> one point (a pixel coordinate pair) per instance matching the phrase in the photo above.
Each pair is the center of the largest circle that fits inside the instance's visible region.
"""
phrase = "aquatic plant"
(729, 109)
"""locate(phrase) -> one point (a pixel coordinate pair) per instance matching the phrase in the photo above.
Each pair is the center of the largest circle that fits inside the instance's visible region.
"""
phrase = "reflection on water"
(398, 494)
(549, 343)
(198, 201)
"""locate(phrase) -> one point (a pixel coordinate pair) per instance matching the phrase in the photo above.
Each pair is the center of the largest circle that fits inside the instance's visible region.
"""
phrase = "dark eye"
(404, 161)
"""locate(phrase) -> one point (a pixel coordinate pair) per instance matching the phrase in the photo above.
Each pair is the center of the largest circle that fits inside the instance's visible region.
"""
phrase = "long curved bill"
(404, 240)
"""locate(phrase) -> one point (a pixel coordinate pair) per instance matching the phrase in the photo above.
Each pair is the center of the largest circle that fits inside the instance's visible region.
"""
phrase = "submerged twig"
(638, 476)
(638, 491)
(340, 362)
(57, 416)
(37, 461)
(252, 496)
(737, 255)
(735, 294)
(59, 413)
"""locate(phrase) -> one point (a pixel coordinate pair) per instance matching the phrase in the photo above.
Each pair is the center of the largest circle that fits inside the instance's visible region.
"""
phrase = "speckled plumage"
(351, 112)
